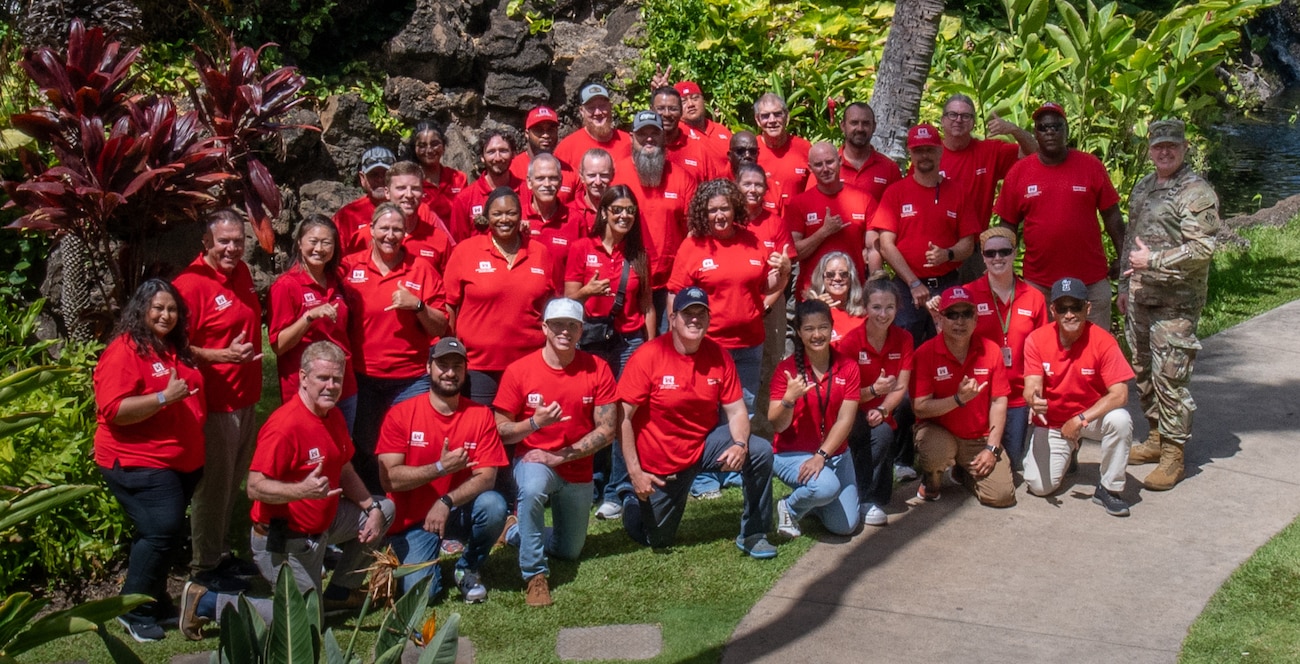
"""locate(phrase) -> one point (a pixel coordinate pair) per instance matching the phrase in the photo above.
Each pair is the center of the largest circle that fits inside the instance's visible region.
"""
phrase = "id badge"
(1006, 356)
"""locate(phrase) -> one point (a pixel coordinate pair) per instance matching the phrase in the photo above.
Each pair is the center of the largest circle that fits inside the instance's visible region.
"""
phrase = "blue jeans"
(478, 524)
(155, 500)
(871, 448)
(610, 470)
(832, 496)
(920, 322)
(374, 397)
(1014, 435)
(654, 521)
(749, 369)
(570, 506)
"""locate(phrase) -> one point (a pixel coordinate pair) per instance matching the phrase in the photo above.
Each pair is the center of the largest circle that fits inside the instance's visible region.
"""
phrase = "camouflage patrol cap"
(1166, 131)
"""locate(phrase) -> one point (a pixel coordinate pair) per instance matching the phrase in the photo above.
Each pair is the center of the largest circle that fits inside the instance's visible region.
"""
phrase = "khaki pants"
(230, 440)
(1049, 453)
(937, 450)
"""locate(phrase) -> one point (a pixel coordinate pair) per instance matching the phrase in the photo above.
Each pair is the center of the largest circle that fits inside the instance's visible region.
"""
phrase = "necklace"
(508, 255)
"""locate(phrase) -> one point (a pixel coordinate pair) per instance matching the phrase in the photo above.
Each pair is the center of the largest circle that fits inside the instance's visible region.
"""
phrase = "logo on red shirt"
(942, 373)
(223, 302)
(417, 439)
(309, 298)
(1032, 190)
(314, 456)
(358, 277)
(863, 358)
(708, 264)
(159, 369)
(484, 267)
(535, 400)
(668, 383)
(908, 210)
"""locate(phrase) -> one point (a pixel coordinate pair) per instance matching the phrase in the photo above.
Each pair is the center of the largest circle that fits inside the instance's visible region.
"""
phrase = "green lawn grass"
(1255, 615)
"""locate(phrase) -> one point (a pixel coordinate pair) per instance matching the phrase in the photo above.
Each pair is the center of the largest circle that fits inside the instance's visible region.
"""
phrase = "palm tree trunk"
(904, 68)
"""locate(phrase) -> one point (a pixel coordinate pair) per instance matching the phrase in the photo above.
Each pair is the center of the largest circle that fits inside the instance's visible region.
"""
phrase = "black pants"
(155, 500)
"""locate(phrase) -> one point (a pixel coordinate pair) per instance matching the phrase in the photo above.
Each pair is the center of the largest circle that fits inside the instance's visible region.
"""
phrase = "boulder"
(514, 91)
(348, 131)
(435, 44)
(325, 197)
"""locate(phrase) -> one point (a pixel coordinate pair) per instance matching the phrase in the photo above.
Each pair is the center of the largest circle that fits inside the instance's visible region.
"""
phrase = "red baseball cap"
(923, 135)
(685, 88)
(539, 115)
(955, 296)
(1050, 107)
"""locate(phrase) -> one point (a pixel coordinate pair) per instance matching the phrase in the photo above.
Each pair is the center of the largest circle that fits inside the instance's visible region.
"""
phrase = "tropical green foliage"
(295, 636)
(22, 628)
(47, 423)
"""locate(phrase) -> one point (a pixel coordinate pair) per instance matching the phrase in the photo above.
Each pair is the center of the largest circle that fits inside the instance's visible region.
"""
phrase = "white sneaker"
(872, 515)
(904, 473)
(786, 525)
(609, 510)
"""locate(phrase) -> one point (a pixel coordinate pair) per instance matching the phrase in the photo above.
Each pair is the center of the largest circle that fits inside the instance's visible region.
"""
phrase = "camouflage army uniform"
(1177, 220)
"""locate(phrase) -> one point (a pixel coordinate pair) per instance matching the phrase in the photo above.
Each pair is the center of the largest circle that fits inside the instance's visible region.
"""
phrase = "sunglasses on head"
(959, 314)
(998, 253)
(1068, 308)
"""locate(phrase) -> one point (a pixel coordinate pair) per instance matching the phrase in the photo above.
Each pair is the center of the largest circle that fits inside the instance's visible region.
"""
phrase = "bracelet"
(822, 453)
(915, 283)
(957, 398)
(373, 506)
(438, 466)
(787, 404)
(533, 423)
(872, 390)
(1083, 420)
(162, 398)
(740, 444)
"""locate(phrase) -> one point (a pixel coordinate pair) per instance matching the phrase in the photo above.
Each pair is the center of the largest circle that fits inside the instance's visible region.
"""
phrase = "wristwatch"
(951, 256)
(823, 455)
(419, 306)
(997, 451)
(446, 500)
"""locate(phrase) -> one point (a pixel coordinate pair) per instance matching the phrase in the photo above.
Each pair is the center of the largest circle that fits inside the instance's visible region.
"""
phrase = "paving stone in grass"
(625, 642)
(192, 658)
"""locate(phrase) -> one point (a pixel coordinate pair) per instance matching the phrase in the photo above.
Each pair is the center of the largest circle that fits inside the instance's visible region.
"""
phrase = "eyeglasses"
(620, 209)
(842, 274)
(962, 314)
(1068, 308)
(1050, 127)
(998, 253)
(963, 117)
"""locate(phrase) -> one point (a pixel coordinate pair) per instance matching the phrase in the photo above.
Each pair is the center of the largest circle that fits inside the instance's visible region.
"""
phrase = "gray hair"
(545, 156)
(322, 350)
(767, 97)
(855, 306)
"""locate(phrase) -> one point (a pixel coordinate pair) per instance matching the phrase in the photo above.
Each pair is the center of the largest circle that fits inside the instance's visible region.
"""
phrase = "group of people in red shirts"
(595, 321)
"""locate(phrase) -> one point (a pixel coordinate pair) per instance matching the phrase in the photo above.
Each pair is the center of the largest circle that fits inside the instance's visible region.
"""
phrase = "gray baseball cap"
(377, 157)
(592, 91)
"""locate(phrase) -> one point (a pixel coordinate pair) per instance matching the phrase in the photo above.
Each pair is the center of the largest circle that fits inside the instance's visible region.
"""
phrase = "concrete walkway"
(1059, 580)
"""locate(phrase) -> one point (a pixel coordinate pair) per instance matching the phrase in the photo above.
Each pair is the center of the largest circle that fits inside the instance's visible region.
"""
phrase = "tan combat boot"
(1148, 451)
(1169, 472)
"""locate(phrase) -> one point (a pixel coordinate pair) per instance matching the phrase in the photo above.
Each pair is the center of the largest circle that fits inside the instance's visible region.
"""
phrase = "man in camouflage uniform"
(1173, 215)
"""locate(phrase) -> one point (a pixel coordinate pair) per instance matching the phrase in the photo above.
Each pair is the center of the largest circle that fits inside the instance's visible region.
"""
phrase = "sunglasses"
(1067, 308)
(619, 209)
(843, 274)
(963, 314)
(1050, 127)
(998, 253)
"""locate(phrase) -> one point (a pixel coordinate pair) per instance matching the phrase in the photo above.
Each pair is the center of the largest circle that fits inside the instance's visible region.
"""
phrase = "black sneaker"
(142, 632)
(234, 566)
(1115, 505)
(221, 583)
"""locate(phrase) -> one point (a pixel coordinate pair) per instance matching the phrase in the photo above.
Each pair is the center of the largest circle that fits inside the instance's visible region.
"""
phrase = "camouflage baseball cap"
(1166, 131)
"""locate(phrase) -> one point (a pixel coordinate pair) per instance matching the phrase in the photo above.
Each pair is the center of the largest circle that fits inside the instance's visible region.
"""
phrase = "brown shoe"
(1148, 451)
(539, 591)
(1169, 472)
(510, 521)
(191, 624)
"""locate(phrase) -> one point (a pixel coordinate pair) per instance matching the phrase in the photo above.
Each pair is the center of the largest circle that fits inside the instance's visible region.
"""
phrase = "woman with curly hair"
(812, 417)
(725, 259)
(150, 445)
(835, 282)
(441, 182)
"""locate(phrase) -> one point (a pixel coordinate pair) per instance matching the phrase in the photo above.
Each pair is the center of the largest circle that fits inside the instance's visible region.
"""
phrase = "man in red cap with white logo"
(597, 131)
(926, 231)
(542, 131)
(959, 393)
(1057, 196)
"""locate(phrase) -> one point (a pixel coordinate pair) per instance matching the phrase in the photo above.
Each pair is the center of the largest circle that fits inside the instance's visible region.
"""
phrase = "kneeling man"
(1076, 383)
(438, 458)
(670, 391)
(959, 393)
(556, 406)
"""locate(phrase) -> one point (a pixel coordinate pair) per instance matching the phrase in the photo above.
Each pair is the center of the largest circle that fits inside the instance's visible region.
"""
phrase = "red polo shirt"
(292, 294)
(976, 170)
(439, 196)
(587, 258)
(572, 147)
(431, 244)
(716, 141)
(786, 165)
(221, 307)
(1058, 206)
(938, 374)
(530, 383)
(418, 431)
(1008, 325)
(172, 437)
(689, 155)
(894, 357)
(734, 274)
(389, 344)
(815, 413)
(877, 173)
(919, 215)
(583, 214)
(771, 231)
(842, 323)
(663, 214)
(677, 398)
(1077, 377)
(499, 307)
(468, 204)
(290, 445)
(353, 222)
(806, 212)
